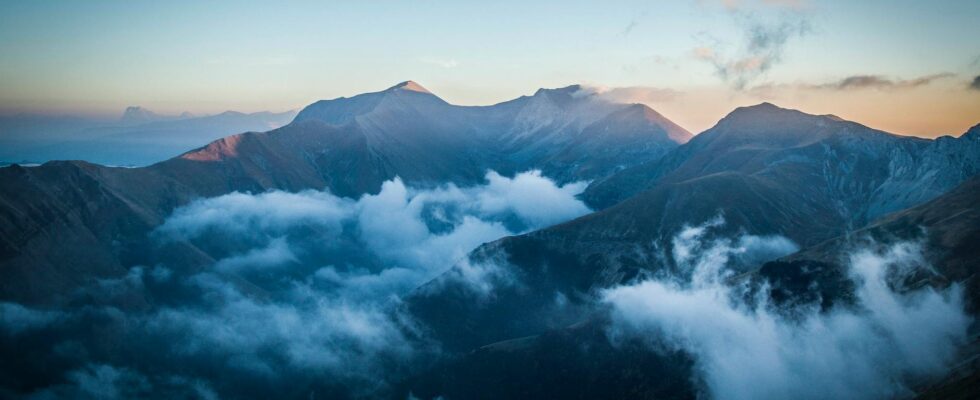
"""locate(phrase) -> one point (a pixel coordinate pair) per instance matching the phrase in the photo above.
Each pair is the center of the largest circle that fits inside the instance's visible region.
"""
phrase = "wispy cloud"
(762, 46)
(630, 26)
(860, 82)
(881, 82)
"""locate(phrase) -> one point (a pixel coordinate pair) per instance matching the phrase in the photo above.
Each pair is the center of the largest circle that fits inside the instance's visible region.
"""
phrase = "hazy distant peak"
(138, 115)
(137, 111)
(411, 86)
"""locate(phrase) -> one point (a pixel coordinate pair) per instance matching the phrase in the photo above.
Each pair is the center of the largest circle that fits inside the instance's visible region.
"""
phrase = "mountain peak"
(774, 125)
(405, 95)
(675, 132)
(410, 86)
(767, 111)
(567, 90)
(764, 106)
(764, 111)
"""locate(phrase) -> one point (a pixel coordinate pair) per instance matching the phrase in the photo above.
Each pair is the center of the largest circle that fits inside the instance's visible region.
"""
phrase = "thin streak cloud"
(881, 82)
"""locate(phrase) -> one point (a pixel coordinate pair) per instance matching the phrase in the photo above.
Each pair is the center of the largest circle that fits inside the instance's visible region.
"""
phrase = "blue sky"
(96, 57)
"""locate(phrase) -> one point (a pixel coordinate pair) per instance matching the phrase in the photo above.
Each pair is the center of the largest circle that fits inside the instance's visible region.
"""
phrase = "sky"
(908, 67)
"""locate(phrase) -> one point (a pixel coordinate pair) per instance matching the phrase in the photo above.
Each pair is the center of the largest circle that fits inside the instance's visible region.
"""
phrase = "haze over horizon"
(909, 68)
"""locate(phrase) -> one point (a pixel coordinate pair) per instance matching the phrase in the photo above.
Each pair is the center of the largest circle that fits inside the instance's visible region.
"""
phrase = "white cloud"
(274, 255)
(746, 351)
(309, 281)
(272, 212)
(532, 197)
(631, 94)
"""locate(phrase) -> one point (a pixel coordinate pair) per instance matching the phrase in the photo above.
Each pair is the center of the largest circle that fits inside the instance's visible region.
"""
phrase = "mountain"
(96, 218)
(570, 136)
(764, 169)
(555, 130)
(854, 171)
(351, 145)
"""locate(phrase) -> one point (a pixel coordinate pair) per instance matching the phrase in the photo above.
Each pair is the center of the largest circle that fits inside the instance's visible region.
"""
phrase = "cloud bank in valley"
(300, 298)
(873, 349)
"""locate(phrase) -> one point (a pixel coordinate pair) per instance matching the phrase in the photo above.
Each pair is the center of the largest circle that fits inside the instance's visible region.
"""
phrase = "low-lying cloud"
(301, 298)
(633, 94)
(875, 348)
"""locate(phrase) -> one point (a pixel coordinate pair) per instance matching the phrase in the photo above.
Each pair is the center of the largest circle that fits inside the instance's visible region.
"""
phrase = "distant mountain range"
(821, 182)
(140, 137)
